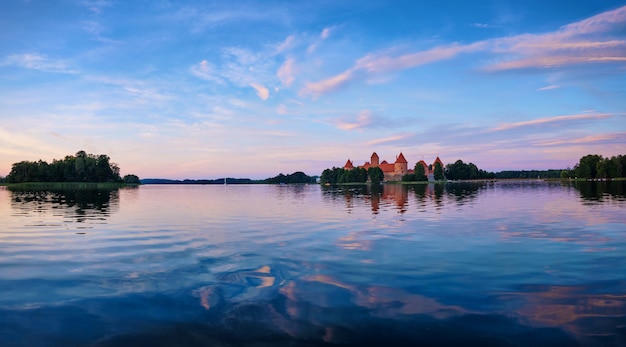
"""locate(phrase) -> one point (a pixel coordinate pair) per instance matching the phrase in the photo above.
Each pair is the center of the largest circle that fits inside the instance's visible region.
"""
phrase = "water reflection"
(397, 195)
(600, 190)
(80, 205)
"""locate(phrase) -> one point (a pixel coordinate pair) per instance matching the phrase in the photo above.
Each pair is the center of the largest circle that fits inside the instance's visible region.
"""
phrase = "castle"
(395, 171)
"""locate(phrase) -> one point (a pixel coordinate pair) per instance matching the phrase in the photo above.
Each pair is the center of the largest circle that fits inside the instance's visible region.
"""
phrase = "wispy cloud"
(286, 73)
(261, 91)
(316, 89)
(551, 121)
(390, 139)
(206, 71)
(325, 34)
(484, 25)
(552, 86)
(611, 138)
(95, 6)
(593, 40)
(96, 30)
(287, 44)
(37, 62)
(362, 120)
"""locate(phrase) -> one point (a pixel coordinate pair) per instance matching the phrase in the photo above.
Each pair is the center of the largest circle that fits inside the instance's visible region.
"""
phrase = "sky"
(211, 89)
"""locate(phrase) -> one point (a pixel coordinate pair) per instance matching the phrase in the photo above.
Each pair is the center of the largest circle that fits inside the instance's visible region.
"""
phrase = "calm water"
(494, 264)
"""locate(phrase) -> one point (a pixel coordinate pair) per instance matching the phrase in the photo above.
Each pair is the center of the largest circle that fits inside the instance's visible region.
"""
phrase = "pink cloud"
(549, 120)
(388, 139)
(316, 89)
(261, 91)
(286, 73)
(589, 140)
(588, 41)
(362, 120)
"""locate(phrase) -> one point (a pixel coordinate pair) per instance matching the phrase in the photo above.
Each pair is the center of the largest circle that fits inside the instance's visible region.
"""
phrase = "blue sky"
(203, 89)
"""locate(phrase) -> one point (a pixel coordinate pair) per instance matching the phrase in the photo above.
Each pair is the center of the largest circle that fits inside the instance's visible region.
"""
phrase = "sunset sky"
(208, 89)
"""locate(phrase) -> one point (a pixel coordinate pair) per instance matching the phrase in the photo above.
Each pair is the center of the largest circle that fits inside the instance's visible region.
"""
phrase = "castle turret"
(374, 160)
(348, 165)
(400, 166)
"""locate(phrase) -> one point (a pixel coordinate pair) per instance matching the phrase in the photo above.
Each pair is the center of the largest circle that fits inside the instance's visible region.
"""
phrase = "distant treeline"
(462, 171)
(296, 177)
(81, 167)
(528, 174)
(203, 181)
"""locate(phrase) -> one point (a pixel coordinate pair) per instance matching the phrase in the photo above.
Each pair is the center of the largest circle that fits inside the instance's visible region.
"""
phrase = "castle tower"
(374, 160)
(348, 165)
(400, 166)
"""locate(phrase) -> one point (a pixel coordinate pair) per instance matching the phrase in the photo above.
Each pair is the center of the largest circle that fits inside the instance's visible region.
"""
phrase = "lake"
(485, 264)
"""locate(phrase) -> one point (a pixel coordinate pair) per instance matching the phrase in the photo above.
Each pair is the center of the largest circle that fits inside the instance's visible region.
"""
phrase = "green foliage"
(375, 174)
(296, 177)
(438, 172)
(565, 174)
(419, 173)
(82, 167)
(594, 166)
(131, 179)
(529, 174)
(409, 178)
(587, 167)
(355, 175)
(462, 171)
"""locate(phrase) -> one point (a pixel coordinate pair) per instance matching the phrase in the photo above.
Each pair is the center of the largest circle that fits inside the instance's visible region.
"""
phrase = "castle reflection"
(398, 196)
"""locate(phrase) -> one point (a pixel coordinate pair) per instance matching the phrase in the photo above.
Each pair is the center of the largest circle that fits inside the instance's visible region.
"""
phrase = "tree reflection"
(78, 204)
(601, 190)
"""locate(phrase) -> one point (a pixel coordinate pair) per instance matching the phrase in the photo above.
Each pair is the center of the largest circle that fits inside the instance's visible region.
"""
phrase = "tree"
(375, 174)
(438, 172)
(408, 178)
(564, 174)
(420, 174)
(587, 167)
(131, 179)
(82, 167)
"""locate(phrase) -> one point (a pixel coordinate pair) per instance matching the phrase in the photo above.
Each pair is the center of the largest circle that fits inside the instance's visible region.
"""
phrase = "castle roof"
(374, 155)
(348, 165)
(386, 167)
(401, 159)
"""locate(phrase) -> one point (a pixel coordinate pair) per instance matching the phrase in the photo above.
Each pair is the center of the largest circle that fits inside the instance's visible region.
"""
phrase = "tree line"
(296, 177)
(81, 167)
(593, 166)
(356, 175)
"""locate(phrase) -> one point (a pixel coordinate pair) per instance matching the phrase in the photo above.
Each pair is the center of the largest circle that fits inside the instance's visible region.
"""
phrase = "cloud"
(362, 120)
(612, 138)
(95, 6)
(288, 43)
(552, 86)
(591, 41)
(325, 34)
(484, 25)
(286, 72)
(324, 86)
(551, 120)
(206, 71)
(36, 61)
(261, 91)
(282, 109)
(390, 139)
